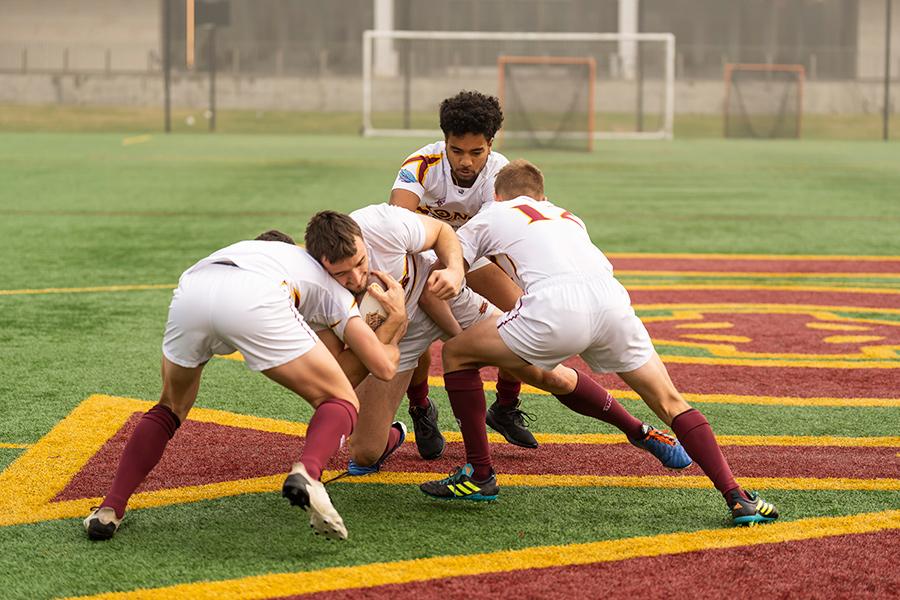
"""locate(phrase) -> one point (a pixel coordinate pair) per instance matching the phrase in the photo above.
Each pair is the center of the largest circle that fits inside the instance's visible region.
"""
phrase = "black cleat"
(102, 524)
(510, 423)
(748, 513)
(460, 486)
(429, 439)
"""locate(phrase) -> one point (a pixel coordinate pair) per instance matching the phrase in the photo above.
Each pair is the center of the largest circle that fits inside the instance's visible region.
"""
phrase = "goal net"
(763, 101)
(548, 101)
(551, 94)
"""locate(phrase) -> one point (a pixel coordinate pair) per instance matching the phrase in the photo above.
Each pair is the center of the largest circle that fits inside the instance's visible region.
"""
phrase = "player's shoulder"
(383, 215)
(430, 153)
(418, 166)
(496, 161)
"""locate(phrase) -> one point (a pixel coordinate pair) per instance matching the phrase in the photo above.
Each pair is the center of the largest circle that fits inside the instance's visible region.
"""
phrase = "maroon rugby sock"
(466, 392)
(697, 437)
(330, 425)
(393, 438)
(508, 391)
(418, 394)
(589, 398)
(142, 452)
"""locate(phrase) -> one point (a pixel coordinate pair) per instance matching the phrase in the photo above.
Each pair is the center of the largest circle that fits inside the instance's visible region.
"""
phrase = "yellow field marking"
(852, 339)
(714, 337)
(705, 326)
(834, 327)
(490, 386)
(779, 257)
(273, 585)
(137, 139)
(771, 274)
(600, 439)
(108, 288)
(649, 287)
(820, 311)
(12, 445)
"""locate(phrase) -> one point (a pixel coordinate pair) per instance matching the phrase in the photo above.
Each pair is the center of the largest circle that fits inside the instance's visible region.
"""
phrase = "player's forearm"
(448, 249)
(439, 312)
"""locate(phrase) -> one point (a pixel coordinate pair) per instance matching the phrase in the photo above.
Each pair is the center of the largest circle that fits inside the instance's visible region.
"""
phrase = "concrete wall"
(870, 54)
(130, 29)
(345, 93)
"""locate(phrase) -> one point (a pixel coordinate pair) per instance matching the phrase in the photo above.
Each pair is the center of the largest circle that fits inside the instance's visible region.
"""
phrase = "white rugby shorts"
(468, 307)
(565, 316)
(218, 309)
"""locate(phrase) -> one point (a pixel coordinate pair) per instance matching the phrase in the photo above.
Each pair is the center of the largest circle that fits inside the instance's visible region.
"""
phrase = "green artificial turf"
(84, 210)
(260, 533)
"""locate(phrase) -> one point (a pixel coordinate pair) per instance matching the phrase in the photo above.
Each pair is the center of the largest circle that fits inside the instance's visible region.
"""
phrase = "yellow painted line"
(724, 440)
(819, 310)
(771, 274)
(436, 381)
(137, 139)
(834, 327)
(82, 290)
(11, 445)
(370, 575)
(736, 287)
(852, 339)
(780, 257)
(715, 337)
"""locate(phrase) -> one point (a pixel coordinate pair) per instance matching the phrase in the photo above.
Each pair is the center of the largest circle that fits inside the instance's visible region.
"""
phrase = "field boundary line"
(778, 257)
(538, 557)
(83, 290)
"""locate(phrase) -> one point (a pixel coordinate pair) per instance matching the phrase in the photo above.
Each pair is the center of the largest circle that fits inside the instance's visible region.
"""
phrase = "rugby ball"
(372, 311)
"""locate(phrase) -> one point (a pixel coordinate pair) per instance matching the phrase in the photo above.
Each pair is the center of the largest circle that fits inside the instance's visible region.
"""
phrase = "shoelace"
(661, 436)
(454, 476)
(519, 416)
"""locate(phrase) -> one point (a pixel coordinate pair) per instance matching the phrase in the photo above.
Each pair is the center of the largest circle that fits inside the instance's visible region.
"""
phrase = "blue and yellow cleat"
(460, 486)
(752, 511)
(664, 447)
(355, 469)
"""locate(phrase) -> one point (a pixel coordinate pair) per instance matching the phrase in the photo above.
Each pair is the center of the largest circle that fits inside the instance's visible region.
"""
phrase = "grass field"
(800, 378)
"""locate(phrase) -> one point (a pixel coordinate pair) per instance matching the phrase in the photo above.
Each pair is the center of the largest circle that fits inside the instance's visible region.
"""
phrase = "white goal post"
(407, 73)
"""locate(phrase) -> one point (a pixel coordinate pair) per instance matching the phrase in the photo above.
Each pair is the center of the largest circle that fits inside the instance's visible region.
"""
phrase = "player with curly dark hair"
(451, 180)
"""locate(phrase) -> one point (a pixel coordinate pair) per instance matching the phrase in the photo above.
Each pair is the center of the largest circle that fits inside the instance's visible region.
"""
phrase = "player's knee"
(365, 457)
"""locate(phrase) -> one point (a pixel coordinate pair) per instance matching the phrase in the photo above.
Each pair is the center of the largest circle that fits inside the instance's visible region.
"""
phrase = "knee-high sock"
(697, 437)
(393, 438)
(418, 394)
(142, 452)
(330, 425)
(508, 391)
(589, 398)
(466, 392)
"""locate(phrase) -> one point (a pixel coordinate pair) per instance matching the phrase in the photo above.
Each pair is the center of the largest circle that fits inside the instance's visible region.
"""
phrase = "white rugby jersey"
(319, 298)
(532, 240)
(394, 238)
(426, 173)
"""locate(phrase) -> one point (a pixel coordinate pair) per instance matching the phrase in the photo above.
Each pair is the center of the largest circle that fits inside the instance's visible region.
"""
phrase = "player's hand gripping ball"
(371, 309)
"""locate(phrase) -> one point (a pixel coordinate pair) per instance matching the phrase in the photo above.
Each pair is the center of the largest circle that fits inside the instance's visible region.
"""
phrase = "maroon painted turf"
(823, 298)
(204, 453)
(858, 566)
(700, 263)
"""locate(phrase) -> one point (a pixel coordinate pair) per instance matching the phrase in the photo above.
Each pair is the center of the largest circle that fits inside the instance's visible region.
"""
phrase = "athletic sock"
(589, 398)
(142, 452)
(331, 424)
(393, 438)
(418, 394)
(466, 392)
(697, 437)
(508, 391)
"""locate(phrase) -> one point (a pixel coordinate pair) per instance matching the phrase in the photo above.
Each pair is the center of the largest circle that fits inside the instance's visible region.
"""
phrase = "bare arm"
(440, 313)
(404, 199)
(444, 282)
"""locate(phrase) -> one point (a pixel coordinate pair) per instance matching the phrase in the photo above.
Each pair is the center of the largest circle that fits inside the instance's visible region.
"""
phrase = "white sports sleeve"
(410, 176)
(471, 238)
(335, 306)
(391, 228)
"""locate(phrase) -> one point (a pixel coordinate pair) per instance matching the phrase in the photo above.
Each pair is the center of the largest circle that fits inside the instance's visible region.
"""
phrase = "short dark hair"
(519, 178)
(331, 235)
(471, 112)
(273, 235)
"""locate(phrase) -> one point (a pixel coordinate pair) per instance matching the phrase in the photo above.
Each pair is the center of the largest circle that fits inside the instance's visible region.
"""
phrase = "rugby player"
(572, 306)
(266, 299)
(450, 180)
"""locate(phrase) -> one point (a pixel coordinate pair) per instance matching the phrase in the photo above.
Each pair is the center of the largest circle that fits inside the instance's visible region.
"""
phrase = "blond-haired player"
(572, 306)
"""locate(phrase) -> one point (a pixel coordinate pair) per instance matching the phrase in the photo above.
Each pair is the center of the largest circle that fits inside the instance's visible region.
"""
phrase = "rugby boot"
(310, 495)
(355, 469)
(102, 523)
(460, 486)
(664, 447)
(754, 511)
(429, 439)
(509, 421)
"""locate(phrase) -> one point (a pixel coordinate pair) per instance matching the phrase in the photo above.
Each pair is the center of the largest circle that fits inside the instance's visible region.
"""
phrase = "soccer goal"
(763, 100)
(557, 89)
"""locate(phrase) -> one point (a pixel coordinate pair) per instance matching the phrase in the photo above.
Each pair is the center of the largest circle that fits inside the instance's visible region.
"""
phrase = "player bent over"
(572, 305)
(263, 298)
(450, 180)
(399, 243)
